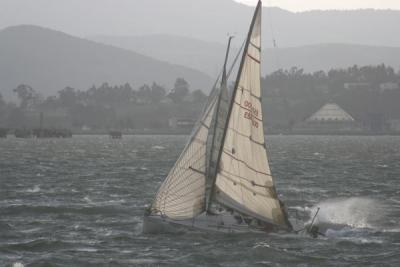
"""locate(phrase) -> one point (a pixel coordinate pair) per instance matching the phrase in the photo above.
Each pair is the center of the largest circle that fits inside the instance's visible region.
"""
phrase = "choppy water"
(79, 202)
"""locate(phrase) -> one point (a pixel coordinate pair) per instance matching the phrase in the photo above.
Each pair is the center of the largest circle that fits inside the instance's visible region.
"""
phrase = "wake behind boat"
(222, 181)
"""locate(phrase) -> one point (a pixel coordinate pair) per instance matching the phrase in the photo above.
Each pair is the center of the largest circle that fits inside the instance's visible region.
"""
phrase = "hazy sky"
(301, 5)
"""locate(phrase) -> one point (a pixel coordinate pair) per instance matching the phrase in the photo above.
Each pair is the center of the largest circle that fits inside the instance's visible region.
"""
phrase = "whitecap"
(157, 147)
(18, 264)
(383, 166)
(88, 200)
(86, 250)
(35, 189)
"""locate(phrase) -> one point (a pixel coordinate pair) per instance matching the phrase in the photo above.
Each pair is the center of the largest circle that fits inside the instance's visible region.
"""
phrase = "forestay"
(244, 181)
(182, 195)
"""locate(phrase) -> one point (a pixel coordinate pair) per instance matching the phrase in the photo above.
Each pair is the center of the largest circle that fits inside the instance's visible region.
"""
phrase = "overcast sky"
(302, 5)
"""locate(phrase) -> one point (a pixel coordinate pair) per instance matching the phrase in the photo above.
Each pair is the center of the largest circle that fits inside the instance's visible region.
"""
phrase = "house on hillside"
(330, 112)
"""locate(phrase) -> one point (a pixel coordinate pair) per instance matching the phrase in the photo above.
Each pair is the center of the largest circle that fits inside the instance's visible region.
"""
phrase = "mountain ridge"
(198, 19)
(50, 60)
(208, 57)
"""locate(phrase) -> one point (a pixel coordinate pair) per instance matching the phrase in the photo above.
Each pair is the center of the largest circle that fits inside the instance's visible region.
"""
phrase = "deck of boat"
(208, 223)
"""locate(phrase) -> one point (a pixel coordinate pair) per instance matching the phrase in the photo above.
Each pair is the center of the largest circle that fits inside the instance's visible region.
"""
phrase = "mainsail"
(244, 182)
(182, 195)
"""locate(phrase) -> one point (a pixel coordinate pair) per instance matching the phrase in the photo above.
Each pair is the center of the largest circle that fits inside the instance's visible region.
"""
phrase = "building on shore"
(329, 119)
(181, 123)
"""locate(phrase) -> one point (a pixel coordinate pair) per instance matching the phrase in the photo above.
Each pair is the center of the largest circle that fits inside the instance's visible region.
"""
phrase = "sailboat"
(222, 180)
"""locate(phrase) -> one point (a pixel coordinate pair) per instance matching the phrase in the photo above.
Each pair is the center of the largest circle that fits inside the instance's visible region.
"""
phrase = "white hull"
(154, 224)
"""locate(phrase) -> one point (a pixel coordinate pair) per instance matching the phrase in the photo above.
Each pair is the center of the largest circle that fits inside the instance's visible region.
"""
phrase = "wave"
(35, 189)
(342, 213)
(157, 148)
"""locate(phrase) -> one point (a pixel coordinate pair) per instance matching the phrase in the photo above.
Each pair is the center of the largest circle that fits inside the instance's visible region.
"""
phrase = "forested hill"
(49, 60)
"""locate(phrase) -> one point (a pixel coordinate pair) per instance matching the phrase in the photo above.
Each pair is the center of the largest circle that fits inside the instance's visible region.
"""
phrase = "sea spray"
(354, 212)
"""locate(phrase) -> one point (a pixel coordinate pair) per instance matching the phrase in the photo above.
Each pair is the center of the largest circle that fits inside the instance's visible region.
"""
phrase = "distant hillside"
(49, 61)
(328, 56)
(208, 57)
(208, 20)
(204, 56)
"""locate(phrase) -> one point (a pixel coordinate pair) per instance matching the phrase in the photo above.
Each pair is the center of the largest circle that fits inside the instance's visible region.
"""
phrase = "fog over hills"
(208, 57)
(49, 61)
(192, 33)
(208, 20)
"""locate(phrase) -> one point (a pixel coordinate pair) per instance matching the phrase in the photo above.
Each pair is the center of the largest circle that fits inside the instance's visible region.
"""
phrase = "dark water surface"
(79, 202)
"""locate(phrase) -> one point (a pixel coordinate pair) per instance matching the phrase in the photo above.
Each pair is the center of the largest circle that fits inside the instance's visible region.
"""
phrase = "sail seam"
(247, 165)
(246, 136)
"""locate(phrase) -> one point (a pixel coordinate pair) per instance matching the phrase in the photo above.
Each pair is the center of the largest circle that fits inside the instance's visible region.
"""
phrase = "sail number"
(251, 113)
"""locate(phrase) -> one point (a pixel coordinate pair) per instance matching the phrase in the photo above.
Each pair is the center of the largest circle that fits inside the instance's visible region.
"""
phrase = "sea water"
(79, 202)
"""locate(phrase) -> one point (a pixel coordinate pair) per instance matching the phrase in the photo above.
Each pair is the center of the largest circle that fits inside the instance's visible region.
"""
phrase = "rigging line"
(274, 43)
(235, 60)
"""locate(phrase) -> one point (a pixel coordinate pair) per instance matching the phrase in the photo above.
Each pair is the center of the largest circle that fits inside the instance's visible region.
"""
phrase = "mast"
(214, 175)
(220, 117)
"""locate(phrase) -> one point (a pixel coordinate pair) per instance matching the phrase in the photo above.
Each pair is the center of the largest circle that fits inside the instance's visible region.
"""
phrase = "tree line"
(289, 97)
(103, 107)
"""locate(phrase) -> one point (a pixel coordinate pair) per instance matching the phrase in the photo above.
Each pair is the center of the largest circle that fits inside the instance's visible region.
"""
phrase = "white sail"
(182, 195)
(244, 181)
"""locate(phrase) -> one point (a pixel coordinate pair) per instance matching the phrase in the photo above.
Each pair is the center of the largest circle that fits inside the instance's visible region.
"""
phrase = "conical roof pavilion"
(331, 112)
